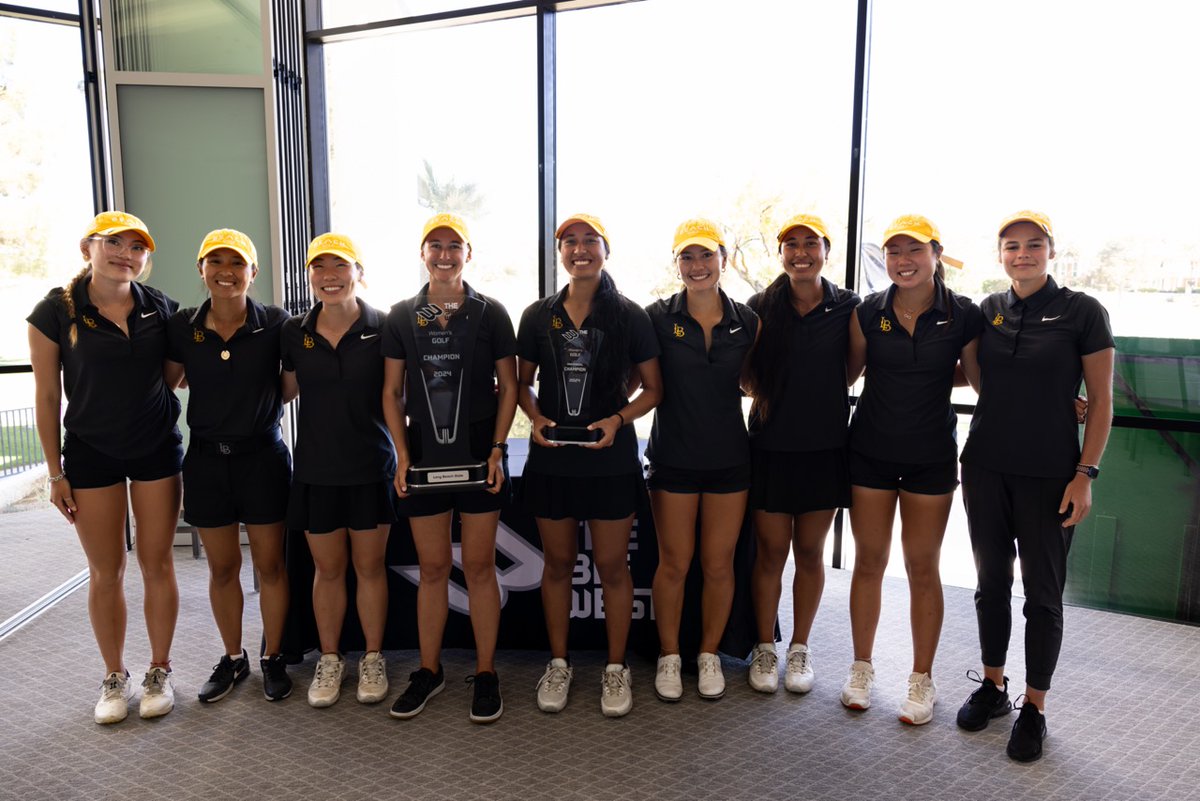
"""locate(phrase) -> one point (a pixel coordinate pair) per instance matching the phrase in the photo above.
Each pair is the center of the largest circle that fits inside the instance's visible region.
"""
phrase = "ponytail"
(609, 313)
(767, 367)
(68, 299)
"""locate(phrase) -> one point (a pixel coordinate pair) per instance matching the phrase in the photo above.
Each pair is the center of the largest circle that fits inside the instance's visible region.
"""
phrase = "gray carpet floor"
(1123, 723)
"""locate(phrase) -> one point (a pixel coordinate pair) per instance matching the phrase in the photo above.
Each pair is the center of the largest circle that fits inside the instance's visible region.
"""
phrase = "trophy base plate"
(451, 478)
(572, 435)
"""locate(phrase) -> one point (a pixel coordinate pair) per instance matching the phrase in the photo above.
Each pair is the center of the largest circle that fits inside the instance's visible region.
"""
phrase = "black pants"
(1010, 515)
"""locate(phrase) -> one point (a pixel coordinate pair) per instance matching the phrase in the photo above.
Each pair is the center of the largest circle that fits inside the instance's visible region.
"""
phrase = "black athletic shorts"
(471, 502)
(935, 478)
(558, 497)
(694, 482)
(796, 482)
(321, 509)
(88, 468)
(242, 487)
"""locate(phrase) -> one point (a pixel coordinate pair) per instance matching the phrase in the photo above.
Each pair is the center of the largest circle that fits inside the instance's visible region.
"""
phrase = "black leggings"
(1010, 515)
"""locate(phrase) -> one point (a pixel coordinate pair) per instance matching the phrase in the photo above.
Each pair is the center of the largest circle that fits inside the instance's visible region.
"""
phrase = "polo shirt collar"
(256, 314)
(82, 300)
(729, 313)
(368, 317)
(884, 301)
(1038, 300)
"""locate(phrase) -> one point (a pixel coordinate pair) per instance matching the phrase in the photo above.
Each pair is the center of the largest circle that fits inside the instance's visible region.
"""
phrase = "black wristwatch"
(1089, 470)
(503, 446)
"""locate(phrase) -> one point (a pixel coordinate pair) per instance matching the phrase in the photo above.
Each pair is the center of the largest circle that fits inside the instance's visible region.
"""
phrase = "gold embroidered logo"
(309, 342)
(421, 322)
(197, 335)
(89, 322)
(998, 319)
(678, 331)
(885, 324)
(556, 322)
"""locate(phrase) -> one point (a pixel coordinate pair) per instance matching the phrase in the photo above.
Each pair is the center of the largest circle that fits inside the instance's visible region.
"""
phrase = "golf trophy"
(574, 361)
(438, 398)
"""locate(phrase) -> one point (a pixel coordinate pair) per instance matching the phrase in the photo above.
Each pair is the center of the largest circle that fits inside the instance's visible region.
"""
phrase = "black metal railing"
(20, 448)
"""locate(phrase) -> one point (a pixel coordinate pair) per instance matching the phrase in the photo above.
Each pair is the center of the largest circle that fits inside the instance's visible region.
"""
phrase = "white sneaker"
(326, 685)
(554, 686)
(711, 684)
(798, 675)
(668, 685)
(764, 668)
(856, 692)
(917, 708)
(616, 691)
(115, 692)
(372, 678)
(158, 694)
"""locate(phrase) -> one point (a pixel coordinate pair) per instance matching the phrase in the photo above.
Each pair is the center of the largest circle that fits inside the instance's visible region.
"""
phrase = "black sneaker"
(1025, 743)
(277, 684)
(486, 706)
(226, 673)
(988, 702)
(423, 684)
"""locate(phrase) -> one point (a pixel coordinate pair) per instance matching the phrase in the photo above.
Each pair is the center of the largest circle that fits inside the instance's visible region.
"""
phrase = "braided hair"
(68, 299)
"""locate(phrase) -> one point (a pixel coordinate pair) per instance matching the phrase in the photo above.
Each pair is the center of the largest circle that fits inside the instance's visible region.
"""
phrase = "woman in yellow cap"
(237, 468)
(698, 451)
(103, 340)
(589, 346)
(903, 454)
(475, 332)
(797, 377)
(341, 494)
(1025, 477)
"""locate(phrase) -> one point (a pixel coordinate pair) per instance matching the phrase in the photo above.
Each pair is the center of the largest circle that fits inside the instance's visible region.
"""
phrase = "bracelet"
(55, 479)
(622, 417)
(502, 445)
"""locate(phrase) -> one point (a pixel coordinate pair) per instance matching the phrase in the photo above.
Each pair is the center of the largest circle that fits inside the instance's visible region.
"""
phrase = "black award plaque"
(574, 357)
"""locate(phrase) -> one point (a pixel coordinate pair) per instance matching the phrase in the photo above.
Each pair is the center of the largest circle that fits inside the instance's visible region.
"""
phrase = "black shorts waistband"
(237, 446)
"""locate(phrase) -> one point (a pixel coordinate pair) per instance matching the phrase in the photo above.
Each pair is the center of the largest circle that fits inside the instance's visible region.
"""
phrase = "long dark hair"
(767, 368)
(609, 315)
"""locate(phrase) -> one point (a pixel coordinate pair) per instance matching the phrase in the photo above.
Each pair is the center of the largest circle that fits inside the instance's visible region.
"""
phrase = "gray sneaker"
(372, 678)
(326, 685)
(554, 686)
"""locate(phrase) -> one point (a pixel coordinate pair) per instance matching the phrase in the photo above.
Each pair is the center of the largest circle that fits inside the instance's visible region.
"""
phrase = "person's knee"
(614, 571)
(558, 568)
(435, 571)
(922, 570)
(672, 568)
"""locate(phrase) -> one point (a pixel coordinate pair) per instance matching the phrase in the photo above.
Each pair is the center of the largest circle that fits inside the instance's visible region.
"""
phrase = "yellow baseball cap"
(591, 221)
(446, 220)
(228, 238)
(107, 223)
(921, 229)
(809, 221)
(697, 231)
(336, 244)
(1035, 217)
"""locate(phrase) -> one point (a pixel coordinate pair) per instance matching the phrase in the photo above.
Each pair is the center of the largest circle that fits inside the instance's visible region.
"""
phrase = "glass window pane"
(974, 116)
(45, 177)
(336, 13)
(437, 120)
(205, 36)
(678, 108)
(65, 6)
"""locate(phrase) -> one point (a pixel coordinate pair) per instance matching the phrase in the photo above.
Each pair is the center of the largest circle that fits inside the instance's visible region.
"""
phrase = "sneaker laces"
(420, 683)
(979, 696)
(765, 661)
(554, 679)
(709, 667)
(614, 682)
(274, 666)
(669, 668)
(797, 662)
(113, 687)
(860, 679)
(372, 671)
(485, 685)
(919, 691)
(155, 679)
(328, 675)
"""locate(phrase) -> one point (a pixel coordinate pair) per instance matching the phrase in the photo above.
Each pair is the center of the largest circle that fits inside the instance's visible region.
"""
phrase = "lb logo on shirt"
(678, 331)
(309, 342)
(89, 322)
(885, 325)
(556, 322)
(428, 313)
(197, 335)
(998, 319)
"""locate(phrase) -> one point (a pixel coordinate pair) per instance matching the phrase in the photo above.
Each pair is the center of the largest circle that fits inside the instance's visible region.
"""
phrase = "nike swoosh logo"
(368, 336)
(256, 330)
(828, 308)
(1048, 319)
(735, 330)
(942, 322)
(148, 314)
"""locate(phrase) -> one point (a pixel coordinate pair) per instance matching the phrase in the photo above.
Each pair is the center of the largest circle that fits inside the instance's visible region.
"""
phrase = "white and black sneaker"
(115, 692)
(486, 705)
(423, 684)
(226, 673)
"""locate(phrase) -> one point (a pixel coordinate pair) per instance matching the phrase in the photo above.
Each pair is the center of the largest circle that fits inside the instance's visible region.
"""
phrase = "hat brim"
(917, 235)
(249, 257)
(461, 233)
(783, 234)
(703, 241)
(120, 229)
(567, 223)
(341, 254)
(1004, 226)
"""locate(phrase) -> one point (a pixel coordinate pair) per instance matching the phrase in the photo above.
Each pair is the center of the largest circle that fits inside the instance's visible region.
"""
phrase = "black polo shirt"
(117, 400)
(699, 424)
(342, 438)
(494, 340)
(234, 386)
(815, 403)
(904, 414)
(545, 319)
(1031, 368)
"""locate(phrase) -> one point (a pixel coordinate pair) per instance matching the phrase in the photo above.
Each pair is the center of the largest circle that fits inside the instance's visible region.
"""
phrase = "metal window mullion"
(547, 148)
